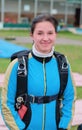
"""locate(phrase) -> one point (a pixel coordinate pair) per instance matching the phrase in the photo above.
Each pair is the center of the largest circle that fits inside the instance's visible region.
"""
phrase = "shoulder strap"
(63, 71)
(21, 104)
(22, 75)
(20, 54)
(21, 72)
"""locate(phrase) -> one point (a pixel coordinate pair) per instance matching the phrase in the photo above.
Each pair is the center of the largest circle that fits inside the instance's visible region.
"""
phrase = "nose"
(45, 37)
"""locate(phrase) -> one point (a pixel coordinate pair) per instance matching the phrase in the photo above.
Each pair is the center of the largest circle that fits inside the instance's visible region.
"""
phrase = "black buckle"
(31, 98)
(22, 99)
(42, 99)
(64, 66)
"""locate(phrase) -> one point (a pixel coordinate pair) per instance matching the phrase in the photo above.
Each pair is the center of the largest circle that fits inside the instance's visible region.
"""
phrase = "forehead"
(44, 25)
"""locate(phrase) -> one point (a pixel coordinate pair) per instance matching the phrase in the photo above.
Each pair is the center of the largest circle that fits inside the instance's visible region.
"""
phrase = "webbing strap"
(63, 71)
(21, 76)
(41, 99)
(22, 73)
(22, 88)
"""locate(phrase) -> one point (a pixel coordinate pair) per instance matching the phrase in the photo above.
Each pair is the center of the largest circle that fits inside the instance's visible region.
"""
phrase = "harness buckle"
(19, 102)
(18, 106)
(22, 67)
(32, 98)
(20, 99)
(64, 66)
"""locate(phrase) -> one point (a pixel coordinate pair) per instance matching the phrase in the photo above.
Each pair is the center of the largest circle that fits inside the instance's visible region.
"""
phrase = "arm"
(67, 103)
(10, 116)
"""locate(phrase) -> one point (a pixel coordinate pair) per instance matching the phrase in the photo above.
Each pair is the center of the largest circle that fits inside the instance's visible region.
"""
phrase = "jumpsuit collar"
(40, 56)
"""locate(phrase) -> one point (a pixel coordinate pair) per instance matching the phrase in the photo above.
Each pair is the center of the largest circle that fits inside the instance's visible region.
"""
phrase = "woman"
(43, 80)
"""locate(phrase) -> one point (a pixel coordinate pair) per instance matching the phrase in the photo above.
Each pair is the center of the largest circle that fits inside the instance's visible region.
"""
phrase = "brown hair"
(44, 17)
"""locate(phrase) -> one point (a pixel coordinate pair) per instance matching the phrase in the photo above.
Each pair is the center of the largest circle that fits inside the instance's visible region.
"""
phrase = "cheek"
(54, 38)
(36, 39)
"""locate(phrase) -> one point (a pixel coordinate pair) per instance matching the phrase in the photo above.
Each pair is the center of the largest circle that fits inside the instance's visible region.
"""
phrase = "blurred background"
(67, 12)
(15, 22)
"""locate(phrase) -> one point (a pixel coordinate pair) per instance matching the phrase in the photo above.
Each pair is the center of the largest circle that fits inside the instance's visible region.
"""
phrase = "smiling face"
(44, 36)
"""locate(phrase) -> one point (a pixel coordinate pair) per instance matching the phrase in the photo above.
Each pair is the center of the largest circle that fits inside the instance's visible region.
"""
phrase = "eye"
(39, 33)
(50, 32)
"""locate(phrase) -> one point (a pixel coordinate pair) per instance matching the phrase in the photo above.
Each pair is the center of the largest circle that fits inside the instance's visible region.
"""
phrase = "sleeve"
(10, 116)
(67, 103)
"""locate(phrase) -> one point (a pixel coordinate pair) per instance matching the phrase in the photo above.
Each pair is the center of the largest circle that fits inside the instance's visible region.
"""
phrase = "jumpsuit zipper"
(45, 89)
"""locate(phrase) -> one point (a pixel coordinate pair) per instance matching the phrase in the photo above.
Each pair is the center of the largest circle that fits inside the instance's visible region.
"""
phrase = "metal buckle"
(32, 98)
(18, 106)
(64, 66)
(22, 67)
(19, 102)
(20, 99)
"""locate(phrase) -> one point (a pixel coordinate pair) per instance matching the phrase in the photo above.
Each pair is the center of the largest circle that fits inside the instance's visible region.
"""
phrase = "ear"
(31, 35)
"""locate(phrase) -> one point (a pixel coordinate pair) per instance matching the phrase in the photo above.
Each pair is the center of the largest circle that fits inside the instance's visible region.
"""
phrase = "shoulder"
(11, 67)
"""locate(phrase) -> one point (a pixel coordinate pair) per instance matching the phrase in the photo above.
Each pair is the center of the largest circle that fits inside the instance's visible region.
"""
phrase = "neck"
(39, 54)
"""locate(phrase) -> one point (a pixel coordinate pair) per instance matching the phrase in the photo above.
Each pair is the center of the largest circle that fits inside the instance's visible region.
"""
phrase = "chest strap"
(24, 99)
(41, 99)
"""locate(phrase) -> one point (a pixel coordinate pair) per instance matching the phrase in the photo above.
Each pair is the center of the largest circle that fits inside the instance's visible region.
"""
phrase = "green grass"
(13, 33)
(74, 128)
(79, 92)
(70, 35)
(74, 55)
(4, 64)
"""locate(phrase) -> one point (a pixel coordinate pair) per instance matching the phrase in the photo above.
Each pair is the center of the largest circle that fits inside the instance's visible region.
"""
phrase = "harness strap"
(21, 75)
(63, 72)
(41, 99)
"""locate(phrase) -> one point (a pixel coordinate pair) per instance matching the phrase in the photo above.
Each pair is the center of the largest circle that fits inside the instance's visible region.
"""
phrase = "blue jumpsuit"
(43, 79)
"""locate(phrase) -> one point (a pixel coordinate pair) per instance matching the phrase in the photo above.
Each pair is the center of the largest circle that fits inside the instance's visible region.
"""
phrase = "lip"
(45, 42)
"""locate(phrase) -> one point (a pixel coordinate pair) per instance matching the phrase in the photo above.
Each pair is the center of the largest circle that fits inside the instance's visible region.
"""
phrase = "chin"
(45, 51)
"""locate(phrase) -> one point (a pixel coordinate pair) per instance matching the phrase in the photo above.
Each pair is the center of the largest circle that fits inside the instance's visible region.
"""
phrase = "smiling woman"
(44, 83)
